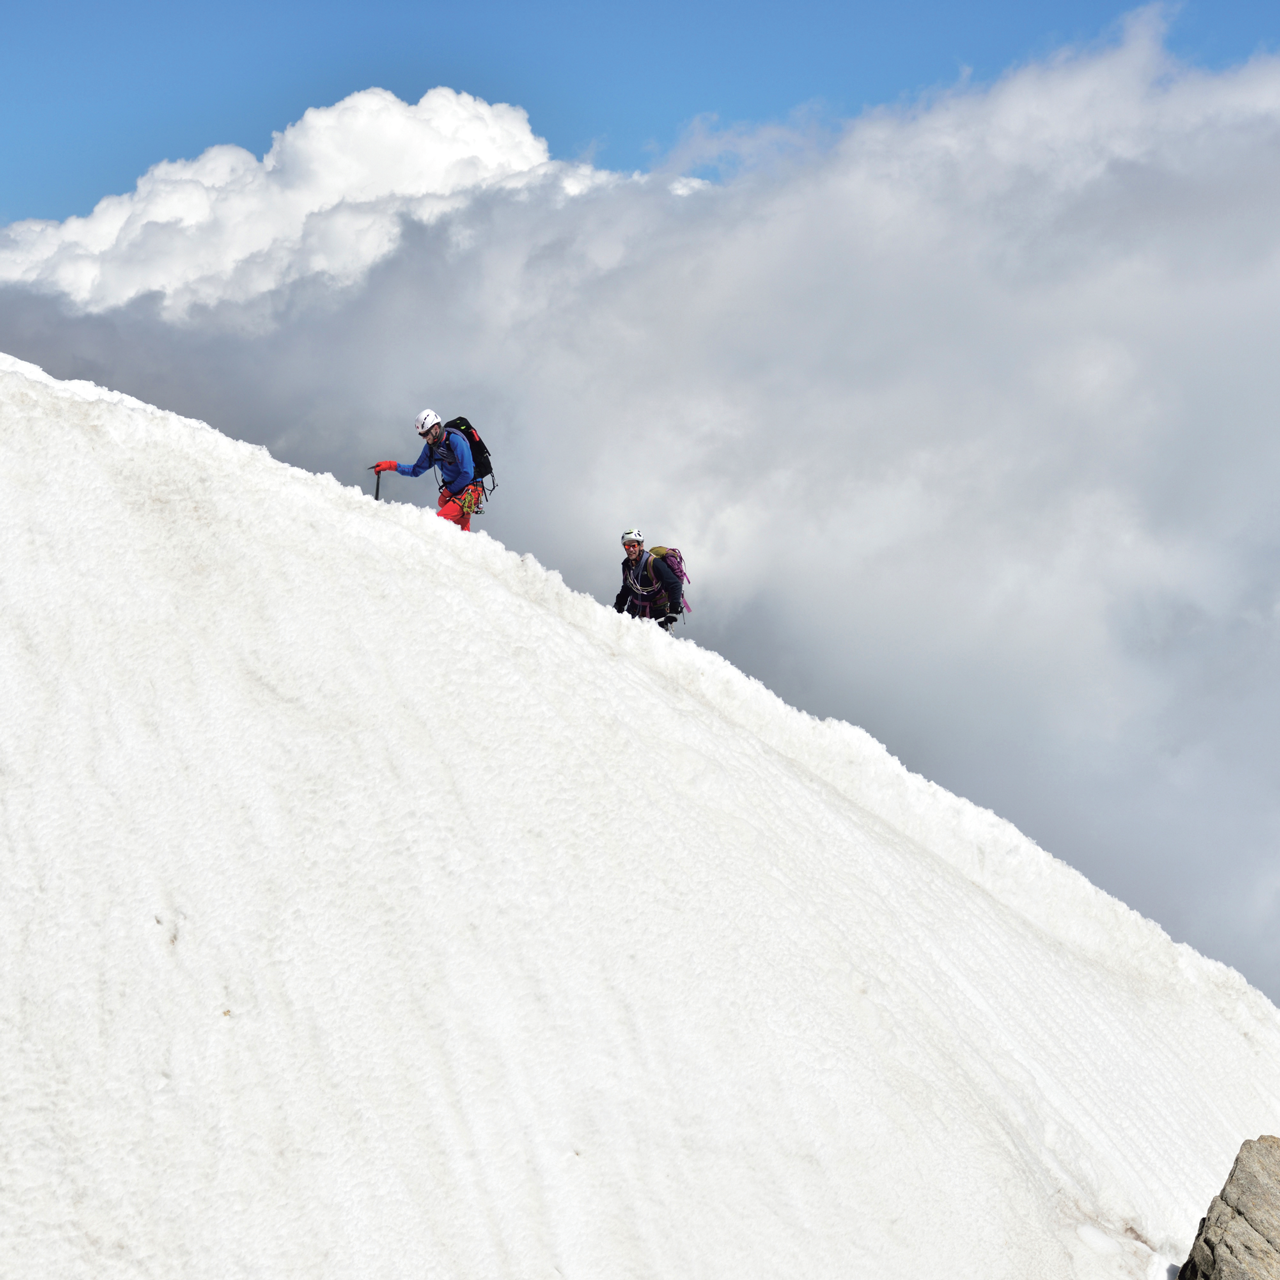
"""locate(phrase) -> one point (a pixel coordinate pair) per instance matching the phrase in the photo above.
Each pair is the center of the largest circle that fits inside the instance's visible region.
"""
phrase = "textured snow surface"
(373, 905)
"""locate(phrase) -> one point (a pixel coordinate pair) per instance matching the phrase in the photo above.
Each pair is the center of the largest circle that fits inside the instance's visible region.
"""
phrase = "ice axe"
(377, 482)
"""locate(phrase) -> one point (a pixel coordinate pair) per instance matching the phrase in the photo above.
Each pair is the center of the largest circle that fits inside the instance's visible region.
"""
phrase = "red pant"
(459, 507)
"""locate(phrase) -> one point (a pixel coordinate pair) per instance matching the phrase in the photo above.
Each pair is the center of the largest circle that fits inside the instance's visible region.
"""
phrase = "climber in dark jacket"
(649, 588)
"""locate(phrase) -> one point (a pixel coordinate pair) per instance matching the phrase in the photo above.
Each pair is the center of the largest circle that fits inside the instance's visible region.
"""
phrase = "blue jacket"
(452, 455)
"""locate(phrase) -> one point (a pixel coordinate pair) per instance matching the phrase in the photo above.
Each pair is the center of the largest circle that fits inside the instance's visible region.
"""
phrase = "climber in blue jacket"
(447, 448)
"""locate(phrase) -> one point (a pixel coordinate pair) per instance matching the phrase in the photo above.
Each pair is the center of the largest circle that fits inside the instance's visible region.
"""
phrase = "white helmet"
(633, 535)
(427, 419)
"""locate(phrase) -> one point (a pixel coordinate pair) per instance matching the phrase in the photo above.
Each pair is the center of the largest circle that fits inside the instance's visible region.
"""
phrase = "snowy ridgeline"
(373, 905)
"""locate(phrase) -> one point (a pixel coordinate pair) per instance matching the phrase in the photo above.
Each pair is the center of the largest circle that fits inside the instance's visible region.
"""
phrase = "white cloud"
(964, 417)
(327, 199)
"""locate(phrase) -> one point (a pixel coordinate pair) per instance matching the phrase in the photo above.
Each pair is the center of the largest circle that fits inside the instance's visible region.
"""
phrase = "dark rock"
(1239, 1238)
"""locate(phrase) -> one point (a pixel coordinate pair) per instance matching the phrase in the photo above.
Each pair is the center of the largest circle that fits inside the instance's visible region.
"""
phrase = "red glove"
(380, 467)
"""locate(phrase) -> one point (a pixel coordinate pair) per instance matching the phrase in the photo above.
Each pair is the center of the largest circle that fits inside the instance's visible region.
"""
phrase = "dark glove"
(669, 621)
(380, 467)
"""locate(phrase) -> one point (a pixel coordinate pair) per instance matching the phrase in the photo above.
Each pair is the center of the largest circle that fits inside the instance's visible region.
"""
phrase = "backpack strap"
(444, 439)
(636, 575)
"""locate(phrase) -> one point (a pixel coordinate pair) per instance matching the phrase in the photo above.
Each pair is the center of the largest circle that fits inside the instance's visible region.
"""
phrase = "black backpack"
(479, 450)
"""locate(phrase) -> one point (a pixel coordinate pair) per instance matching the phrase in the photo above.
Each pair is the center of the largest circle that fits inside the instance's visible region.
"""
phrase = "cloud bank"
(325, 201)
(964, 415)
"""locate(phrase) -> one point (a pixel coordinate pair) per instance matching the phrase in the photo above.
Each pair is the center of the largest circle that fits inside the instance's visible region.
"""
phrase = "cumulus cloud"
(963, 414)
(326, 200)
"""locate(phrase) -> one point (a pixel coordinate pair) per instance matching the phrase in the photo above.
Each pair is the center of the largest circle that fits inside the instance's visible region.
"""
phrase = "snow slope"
(374, 905)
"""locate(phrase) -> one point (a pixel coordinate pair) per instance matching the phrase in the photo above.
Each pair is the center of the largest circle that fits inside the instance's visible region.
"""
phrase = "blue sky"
(94, 95)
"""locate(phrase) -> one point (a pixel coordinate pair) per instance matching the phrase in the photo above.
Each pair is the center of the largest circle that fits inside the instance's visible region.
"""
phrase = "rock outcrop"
(1239, 1238)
